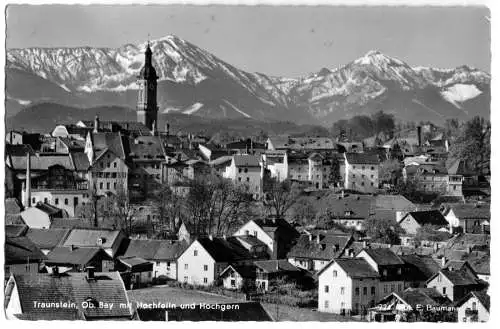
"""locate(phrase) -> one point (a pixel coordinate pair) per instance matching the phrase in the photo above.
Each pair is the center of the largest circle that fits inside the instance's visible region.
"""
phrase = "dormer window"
(348, 212)
(101, 241)
(384, 273)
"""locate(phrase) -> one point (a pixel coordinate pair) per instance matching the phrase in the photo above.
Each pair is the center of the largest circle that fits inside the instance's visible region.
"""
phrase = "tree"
(390, 171)
(170, 207)
(335, 178)
(280, 197)
(384, 123)
(430, 233)
(473, 144)
(121, 210)
(383, 230)
(303, 212)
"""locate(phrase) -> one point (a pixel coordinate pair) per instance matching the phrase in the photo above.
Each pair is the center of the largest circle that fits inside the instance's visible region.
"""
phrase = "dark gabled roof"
(134, 261)
(48, 208)
(74, 256)
(329, 246)
(349, 207)
(88, 238)
(480, 265)
(247, 239)
(245, 160)
(222, 250)
(147, 148)
(275, 266)
(13, 231)
(356, 268)
(155, 249)
(18, 150)
(429, 217)
(421, 267)
(470, 211)
(384, 256)
(362, 158)
(460, 277)
(42, 161)
(246, 271)
(47, 238)
(269, 225)
(80, 161)
(21, 250)
(394, 203)
(111, 141)
(421, 296)
(73, 287)
(247, 311)
(482, 296)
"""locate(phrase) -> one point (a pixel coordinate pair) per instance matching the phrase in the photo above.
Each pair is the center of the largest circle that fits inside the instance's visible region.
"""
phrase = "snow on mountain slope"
(193, 81)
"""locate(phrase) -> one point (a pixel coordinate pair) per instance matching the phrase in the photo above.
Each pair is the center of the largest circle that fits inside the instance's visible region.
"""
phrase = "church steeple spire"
(147, 108)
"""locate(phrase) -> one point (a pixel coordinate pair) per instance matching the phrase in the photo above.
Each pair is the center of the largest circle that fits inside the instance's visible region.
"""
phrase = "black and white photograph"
(247, 162)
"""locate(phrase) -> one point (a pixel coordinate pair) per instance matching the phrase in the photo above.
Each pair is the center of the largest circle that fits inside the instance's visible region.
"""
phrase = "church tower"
(147, 108)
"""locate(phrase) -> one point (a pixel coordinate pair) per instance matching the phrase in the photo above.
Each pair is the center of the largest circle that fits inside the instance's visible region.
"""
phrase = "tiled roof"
(15, 230)
(18, 150)
(222, 250)
(394, 202)
(482, 296)
(133, 261)
(80, 161)
(421, 267)
(470, 211)
(460, 277)
(42, 161)
(429, 217)
(221, 160)
(357, 268)
(480, 265)
(246, 271)
(47, 238)
(20, 250)
(73, 287)
(48, 208)
(247, 239)
(275, 266)
(329, 246)
(146, 148)
(245, 160)
(384, 256)
(12, 206)
(349, 207)
(88, 238)
(362, 158)
(155, 249)
(76, 255)
(110, 141)
(422, 296)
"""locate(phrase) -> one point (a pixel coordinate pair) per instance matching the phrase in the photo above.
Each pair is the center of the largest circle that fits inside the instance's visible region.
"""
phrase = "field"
(184, 296)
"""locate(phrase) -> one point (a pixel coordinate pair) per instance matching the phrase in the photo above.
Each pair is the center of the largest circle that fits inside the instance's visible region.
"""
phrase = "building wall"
(409, 224)
(194, 272)
(298, 170)
(109, 173)
(482, 313)
(21, 268)
(247, 176)
(278, 170)
(362, 177)
(440, 282)
(66, 200)
(251, 228)
(336, 299)
(227, 280)
(164, 267)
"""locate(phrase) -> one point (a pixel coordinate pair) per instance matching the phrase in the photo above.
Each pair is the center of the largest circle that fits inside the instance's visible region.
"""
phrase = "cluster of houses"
(56, 251)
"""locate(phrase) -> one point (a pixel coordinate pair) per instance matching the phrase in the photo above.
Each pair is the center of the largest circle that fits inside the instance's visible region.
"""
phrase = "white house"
(246, 170)
(475, 307)
(205, 259)
(234, 277)
(347, 286)
(276, 161)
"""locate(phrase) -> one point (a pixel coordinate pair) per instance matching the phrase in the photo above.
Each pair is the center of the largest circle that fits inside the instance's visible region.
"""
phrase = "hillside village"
(394, 227)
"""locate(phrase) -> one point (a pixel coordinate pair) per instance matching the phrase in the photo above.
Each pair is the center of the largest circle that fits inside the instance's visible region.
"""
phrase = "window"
(233, 283)
(439, 278)
(185, 266)
(353, 176)
(356, 291)
(474, 306)
(372, 168)
(444, 290)
(114, 164)
(384, 273)
(353, 167)
(107, 185)
(399, 287)
(45, 200)
(248, 179)
(342, 290)
(362, 183)
(246, 170)
(239, 170)
(385, 288)
(365, 291)
(327, 289)
(255, 233)
(205, 267)
(205, 280)
(185, 279)
(373, 291)
(101, 185)
(334, 274)
(195, 252)
(399, 271)
(66, 201)
(168, 266)
(75, 201)
(33, 200)
(56, 201)
(114, 185)
(157, 263)
(326, 304)
(239, 179)
(393, 287)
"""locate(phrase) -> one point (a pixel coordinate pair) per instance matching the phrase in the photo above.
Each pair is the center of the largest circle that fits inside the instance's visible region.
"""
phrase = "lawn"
(179, 296)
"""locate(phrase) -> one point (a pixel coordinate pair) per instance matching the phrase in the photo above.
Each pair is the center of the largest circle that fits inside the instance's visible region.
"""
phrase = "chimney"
(318, 238)
(342, 194)
(96, 124)
(72, 247)
(419, 135)
(365, 244)
(310, 237)
(55, 270)
(443, 261)
(90, 272)
(153, 128)
(27, 194)
(211, 237)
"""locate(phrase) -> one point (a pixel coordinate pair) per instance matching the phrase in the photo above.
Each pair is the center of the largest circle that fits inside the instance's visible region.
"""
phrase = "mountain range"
(194, 82)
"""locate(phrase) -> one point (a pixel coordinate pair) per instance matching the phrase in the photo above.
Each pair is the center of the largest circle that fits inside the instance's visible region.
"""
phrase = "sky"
(278, 40)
